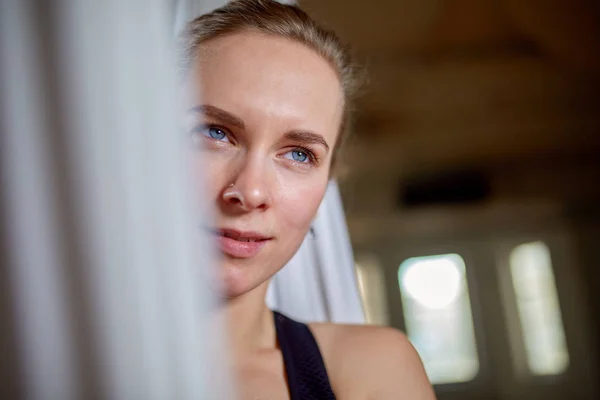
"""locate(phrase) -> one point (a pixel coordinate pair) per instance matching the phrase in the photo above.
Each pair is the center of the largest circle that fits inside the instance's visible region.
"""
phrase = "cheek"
(298, 205)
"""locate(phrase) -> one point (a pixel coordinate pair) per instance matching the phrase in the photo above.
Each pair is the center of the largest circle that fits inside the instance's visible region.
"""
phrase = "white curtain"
(103, 271)
(319, 283)
(103, 275)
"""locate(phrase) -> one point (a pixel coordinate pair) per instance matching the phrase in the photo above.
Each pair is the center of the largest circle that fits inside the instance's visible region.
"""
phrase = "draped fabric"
(103, 276)
(103, 273)
(319, 282)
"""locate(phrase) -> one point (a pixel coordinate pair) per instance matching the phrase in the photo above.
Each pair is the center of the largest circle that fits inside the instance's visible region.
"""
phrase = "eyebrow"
(219, 114)
(307, 137)
(230, 119)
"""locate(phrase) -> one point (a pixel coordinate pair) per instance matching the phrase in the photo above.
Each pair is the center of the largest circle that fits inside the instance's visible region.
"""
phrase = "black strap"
(304, 366)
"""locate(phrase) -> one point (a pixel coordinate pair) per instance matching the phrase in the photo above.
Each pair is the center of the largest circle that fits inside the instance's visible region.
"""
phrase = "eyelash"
(312, 158)
(197, 130)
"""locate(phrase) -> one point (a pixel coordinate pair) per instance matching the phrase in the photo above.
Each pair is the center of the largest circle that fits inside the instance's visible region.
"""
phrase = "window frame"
(485, 251)
(572, 306)
(481, 385)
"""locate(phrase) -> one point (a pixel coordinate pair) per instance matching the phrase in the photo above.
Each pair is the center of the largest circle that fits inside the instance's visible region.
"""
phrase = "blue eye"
(298, 156)
(212, 132)
(216, 133)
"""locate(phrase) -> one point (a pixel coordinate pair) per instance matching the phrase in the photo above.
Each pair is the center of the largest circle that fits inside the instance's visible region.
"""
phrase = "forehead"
(274, 79)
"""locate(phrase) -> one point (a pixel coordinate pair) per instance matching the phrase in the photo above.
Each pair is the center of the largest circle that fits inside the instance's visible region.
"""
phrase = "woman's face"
(265, 126)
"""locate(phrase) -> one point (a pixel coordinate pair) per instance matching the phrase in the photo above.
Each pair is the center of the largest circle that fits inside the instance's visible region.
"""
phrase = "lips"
(240, 244)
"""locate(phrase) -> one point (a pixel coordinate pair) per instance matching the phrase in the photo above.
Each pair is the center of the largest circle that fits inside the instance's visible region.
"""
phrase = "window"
(539, 310)
(437, 313)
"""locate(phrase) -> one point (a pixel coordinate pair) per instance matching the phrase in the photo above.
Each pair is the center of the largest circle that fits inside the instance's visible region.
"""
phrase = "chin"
(237, 280)
(239, 276)
(232, 290)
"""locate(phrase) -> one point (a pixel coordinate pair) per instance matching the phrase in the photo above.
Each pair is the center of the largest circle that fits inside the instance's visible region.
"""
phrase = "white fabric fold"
(319, 283)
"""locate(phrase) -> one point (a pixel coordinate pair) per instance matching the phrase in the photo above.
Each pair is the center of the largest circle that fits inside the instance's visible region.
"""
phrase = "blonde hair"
(282, 20)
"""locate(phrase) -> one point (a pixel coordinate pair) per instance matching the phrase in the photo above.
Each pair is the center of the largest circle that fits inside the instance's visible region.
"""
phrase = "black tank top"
(304, 367)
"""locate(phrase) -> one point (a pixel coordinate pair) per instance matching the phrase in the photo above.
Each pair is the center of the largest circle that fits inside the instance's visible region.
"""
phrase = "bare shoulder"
(367, 362)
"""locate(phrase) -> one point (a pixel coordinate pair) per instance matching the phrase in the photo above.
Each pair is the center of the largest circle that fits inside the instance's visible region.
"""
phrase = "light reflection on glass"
(437, 313)
(539, 310)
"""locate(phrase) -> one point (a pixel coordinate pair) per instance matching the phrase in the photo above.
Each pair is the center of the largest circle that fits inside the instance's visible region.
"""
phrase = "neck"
(249, 322)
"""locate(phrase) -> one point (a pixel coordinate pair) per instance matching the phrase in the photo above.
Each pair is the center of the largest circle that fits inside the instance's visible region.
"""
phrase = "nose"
(249, 188)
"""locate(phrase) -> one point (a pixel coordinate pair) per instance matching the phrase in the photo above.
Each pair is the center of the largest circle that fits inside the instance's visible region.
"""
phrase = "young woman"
(275, 92)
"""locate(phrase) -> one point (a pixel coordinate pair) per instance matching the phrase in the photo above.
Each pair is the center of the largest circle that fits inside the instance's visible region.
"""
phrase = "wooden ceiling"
(475, 82)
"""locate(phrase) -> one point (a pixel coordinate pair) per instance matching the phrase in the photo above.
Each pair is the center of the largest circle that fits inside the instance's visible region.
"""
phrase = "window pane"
(539, 310)
(437, 313)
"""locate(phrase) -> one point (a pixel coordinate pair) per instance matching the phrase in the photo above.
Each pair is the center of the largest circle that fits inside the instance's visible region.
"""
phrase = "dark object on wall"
(445, 188)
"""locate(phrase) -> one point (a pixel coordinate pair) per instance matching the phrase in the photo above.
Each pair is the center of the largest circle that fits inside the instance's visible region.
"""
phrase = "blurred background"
(473, 186)
(471, 194)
